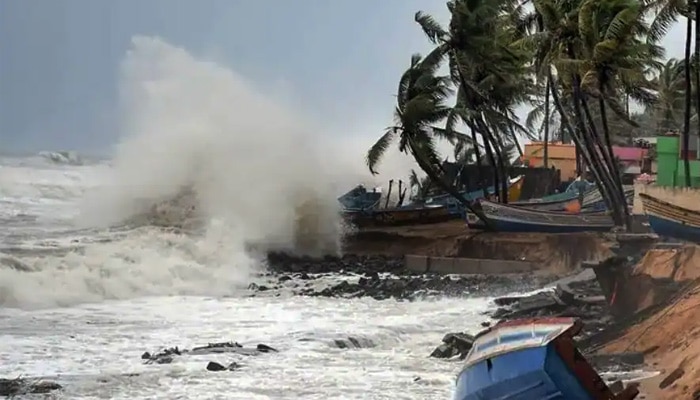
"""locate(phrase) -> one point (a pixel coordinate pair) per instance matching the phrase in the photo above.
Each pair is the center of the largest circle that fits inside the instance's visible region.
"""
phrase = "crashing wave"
(181, 212)
(184, 212)
(62, 157)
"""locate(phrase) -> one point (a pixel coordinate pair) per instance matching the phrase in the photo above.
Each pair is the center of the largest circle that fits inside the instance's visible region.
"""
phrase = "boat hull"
(674, 229)
(398, 216)
(531, 359)
(505, 218)
(670, 220)
(535, 373)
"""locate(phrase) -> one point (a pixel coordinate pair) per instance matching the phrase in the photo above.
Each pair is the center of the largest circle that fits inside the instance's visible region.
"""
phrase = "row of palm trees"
(577, 63)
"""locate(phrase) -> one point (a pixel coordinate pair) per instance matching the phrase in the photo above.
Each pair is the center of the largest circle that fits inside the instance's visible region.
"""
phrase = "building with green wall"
(670, 165)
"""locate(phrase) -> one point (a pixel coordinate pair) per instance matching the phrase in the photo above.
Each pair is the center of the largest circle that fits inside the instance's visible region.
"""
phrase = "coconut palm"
(490, 75)
(670, 86)
(420, 104)
(667, 13)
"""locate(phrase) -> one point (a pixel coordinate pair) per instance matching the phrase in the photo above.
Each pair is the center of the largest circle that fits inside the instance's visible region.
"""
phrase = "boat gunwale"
(574, 327)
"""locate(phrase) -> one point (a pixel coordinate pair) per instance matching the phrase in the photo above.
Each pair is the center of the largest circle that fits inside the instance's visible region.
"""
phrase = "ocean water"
(86, 303)
(83, 295)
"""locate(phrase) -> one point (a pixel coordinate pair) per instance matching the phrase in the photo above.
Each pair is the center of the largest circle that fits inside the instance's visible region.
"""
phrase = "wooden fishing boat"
(505, 218)
(359, 198)
(594, 201)
(408, 215)
(533, 358)
(670, 220)
(456, 208)
(543, 205)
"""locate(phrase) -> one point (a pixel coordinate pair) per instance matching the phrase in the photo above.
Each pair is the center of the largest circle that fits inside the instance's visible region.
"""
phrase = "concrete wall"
(684, 197)
(456, 265)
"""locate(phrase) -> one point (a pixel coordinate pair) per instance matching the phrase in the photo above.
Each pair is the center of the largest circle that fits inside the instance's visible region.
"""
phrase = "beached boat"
(594, 201)
(532, 359)
(515, 187)
(359, 198)
(407, 215)
(542, 204)
(505, 218)
(670, 220)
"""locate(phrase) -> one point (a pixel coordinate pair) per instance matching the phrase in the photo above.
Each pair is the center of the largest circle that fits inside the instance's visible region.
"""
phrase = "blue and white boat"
(506, 218)
(532, 359)
(671, 220)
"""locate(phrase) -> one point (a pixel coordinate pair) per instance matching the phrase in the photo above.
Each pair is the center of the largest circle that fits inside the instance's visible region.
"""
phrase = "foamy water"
(122, 292)
(81, 296)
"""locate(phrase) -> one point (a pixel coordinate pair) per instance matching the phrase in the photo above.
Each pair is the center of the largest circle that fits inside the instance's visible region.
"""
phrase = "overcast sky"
(338, 60)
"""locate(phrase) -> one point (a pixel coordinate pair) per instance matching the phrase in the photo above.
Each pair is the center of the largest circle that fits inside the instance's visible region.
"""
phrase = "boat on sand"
(530, 359)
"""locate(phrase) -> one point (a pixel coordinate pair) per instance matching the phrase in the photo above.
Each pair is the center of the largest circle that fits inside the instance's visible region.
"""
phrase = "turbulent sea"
(83, 304)
(83, 295)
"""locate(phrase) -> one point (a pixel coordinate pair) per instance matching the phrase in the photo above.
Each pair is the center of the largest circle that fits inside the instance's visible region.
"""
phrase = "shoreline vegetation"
(581, 66)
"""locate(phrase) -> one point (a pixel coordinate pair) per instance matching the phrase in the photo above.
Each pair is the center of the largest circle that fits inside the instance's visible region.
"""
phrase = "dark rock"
(616, 387)
(454, 344)
(675, 375)
(24, 386)
(214, 366)
(167, 356)
(383, 278)
(352, 342)
(263, 348)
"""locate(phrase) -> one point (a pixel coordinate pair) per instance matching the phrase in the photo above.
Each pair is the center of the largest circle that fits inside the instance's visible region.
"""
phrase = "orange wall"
(561, 156)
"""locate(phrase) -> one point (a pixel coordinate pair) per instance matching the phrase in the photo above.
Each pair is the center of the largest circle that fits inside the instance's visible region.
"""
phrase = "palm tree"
(667, 12)
(612, 51)
(420, 104)
(670, 87)
(489, 75)
(555, 44)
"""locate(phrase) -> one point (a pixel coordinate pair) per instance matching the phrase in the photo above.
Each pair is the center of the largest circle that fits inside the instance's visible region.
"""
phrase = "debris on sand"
(24, 386)
(665, 330)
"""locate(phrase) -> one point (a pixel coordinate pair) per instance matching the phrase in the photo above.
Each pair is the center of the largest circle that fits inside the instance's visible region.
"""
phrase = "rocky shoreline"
(381, 278)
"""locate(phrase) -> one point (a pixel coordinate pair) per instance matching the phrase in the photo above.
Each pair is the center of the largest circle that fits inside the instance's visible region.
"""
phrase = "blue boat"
(505, 218)
(532, 359)
(671, 220)
(359, 198)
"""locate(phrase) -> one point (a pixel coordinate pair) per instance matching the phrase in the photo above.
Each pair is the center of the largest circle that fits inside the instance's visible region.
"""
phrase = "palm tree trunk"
(494, 167)
(493, 152)
(688, 94)
(546, 124)
(616, 172)
(605, 169)
(477, 154)
(580, 150)
(593, 159)
(498, 150)
(514, 137)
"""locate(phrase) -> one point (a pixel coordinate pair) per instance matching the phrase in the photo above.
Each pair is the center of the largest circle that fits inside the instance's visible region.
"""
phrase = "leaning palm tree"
(420, 104)
(612, 49)
(489, 74)
(556, 41)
